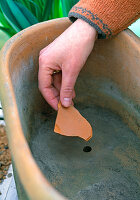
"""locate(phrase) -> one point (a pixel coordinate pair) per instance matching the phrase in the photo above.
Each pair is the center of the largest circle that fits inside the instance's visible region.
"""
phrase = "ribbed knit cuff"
(108, 17)
(92, 19)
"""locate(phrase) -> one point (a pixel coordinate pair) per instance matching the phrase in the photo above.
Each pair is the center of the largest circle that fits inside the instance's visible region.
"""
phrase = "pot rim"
(37, 186)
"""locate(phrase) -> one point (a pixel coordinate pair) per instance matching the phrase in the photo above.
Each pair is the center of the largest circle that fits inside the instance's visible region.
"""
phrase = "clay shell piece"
(70, 122)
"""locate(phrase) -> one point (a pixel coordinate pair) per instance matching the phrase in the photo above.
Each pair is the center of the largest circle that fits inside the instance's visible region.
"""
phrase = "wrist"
(87, 29)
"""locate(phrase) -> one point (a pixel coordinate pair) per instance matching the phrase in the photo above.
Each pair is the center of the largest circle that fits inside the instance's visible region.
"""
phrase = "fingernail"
(67, 102)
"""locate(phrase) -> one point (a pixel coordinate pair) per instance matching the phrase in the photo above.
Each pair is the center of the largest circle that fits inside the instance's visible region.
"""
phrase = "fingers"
(49, 92)
(67, 88)
(52, 96)
(57, 79)
(73, 94)
(50, 86)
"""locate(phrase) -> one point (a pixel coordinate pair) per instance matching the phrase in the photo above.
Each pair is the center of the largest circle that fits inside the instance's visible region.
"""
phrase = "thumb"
(67, 87)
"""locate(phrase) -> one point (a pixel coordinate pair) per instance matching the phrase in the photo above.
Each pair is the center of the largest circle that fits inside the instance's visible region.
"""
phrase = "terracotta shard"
(70, 122)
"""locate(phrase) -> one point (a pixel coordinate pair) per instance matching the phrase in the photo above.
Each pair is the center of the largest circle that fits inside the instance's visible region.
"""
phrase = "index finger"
(49, 92)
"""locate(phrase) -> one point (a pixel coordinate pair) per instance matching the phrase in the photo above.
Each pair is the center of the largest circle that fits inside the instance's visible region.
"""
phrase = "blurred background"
(16, 15)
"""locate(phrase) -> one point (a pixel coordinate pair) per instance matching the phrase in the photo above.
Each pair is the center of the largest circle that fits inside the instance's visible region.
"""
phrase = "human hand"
(67, 53)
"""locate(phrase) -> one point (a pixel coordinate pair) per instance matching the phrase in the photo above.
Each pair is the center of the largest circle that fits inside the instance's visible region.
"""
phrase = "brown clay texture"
(51, 166)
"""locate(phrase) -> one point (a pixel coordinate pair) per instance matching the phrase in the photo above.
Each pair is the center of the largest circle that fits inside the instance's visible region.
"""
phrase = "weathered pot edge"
(41, 186)
(37, 187)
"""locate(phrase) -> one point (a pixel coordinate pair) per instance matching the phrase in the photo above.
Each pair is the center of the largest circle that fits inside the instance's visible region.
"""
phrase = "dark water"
(110, 171)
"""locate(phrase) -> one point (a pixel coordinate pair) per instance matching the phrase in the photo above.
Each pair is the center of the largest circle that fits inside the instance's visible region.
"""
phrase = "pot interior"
(107, 166)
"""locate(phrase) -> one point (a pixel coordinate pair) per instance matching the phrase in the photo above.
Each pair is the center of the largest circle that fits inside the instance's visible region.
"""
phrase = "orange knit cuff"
(108, 17)
(92, 19)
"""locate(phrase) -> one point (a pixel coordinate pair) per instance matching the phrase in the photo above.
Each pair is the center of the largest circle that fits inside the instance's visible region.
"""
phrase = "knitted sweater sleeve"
(108, 17)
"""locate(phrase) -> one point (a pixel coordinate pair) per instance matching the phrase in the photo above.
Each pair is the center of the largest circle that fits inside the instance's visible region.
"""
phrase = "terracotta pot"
(51, 166)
